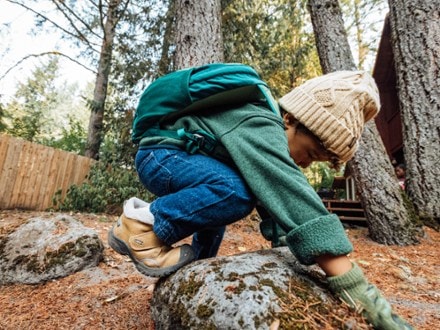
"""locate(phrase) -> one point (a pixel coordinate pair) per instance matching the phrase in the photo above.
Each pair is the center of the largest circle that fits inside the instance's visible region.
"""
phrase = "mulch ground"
(115, 296)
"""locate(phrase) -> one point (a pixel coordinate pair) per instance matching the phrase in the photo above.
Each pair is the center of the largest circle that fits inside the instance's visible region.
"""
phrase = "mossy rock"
(257, 290)
(44, 249)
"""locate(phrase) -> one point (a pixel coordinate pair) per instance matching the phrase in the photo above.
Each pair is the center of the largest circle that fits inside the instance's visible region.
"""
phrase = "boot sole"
(186, 256)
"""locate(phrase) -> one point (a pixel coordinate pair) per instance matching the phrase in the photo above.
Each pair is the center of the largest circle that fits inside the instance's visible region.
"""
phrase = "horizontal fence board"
(31, 174)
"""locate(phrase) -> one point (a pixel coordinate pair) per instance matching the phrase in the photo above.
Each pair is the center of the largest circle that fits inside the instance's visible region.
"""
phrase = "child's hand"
(376, 309)
(365, 298)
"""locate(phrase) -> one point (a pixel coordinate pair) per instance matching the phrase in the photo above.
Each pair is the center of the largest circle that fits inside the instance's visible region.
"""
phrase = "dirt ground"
(115, 296)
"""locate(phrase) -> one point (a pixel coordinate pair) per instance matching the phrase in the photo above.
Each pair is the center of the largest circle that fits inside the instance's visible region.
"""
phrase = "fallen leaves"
(116, 296)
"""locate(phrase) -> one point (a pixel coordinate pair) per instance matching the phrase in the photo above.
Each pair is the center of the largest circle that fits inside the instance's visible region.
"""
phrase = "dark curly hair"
(334, 161)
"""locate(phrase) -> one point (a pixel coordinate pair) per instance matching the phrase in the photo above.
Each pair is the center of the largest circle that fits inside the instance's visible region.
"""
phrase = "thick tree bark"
(415, 33)
(198, 33)
(390, 215)
(94, 135)
(330, 36)
(390, 219)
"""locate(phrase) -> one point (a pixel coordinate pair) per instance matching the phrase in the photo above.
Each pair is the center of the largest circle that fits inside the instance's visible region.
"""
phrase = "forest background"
(47, 93)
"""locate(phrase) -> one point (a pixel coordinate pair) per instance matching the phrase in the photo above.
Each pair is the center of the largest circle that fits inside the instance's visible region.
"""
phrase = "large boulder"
(268, 289)
(44, 249)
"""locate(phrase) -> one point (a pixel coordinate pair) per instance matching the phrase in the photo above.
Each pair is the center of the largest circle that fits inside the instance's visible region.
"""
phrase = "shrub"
(104, 191)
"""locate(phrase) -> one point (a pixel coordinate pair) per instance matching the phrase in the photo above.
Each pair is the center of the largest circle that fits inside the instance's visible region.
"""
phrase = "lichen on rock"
(44, 249)
(248, 291)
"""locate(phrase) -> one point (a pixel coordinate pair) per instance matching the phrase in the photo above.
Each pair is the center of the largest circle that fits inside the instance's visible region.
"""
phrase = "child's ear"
(288, 119)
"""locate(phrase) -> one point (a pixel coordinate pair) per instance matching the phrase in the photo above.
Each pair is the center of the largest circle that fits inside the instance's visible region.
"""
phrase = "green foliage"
(273, 36)
(73, 138)
(44, 111)
(106, 189)
(364, 23)
(138, 46)
(3, 117)
(32, 103)
(113, 179)
(320, 175)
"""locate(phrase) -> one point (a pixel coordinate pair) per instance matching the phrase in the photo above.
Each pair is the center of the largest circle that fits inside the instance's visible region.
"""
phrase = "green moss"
(204, 311)
(190, 288)
(412, 214)
(233, 276)
(270, 265)
(209, 326)
(418, 220)
(180, 314)
(186, 291)
(29, 262)
(257, 321)
(3, 242)
(79, 249)
(278, 291)
(303, 309)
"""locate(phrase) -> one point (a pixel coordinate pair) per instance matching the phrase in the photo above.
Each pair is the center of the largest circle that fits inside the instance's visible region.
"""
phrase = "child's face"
(304, 148)
(400, 172)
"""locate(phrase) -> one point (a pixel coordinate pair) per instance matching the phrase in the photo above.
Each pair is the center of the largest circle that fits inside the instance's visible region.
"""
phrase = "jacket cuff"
(323, 235)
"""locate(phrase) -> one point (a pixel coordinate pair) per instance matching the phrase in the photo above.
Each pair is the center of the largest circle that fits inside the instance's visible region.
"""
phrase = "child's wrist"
(352, 281)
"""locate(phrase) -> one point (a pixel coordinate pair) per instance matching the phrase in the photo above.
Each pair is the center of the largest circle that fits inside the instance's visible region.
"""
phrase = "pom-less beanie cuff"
(335, 108)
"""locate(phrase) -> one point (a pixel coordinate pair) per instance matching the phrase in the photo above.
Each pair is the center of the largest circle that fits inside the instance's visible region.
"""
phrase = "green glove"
(365, 298)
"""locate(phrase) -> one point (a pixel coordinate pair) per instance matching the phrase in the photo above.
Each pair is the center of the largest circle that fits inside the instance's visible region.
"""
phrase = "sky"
(16, 43)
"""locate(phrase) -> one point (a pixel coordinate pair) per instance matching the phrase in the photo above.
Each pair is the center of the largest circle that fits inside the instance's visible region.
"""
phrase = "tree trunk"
(415, 33)
(330, 36)
(390, 215)
(198, 33)
(97, 107)
(390, 218)
(164, 65)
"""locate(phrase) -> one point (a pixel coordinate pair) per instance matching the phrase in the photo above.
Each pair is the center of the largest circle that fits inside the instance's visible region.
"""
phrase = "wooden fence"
(30, 174)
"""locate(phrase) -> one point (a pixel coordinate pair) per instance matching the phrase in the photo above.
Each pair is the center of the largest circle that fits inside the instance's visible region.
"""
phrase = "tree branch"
(52, 22)
(69, 18)
(44, 54)
(101, 16)
(125, 6)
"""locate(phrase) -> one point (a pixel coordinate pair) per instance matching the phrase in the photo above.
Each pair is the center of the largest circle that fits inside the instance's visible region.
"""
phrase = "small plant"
(105, 190)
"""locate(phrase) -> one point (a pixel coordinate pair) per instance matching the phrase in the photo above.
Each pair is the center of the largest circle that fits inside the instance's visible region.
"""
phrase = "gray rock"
(45, 249)
(267, 289)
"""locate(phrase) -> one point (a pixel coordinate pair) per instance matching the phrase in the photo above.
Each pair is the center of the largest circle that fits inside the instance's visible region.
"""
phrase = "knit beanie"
(335, 108)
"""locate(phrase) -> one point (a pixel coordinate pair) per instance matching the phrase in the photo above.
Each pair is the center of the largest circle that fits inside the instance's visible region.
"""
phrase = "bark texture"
(415, 32)
(97, 106)
(198, 33)
(391, 220)
(330, 36)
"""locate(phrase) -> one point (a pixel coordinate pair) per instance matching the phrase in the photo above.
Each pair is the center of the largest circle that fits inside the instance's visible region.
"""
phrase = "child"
(400, 170)
(256, 165)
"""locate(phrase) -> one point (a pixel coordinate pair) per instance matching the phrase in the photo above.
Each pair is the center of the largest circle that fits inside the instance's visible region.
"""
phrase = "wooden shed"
(388, 120)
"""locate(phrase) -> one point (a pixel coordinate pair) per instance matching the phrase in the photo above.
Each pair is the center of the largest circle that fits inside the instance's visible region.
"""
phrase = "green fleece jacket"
(255, 141)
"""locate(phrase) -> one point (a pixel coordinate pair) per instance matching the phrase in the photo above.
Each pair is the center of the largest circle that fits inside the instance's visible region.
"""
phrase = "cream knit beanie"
(335, 108)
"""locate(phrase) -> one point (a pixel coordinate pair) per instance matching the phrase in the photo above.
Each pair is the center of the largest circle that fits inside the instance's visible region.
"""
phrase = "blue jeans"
(197, 195)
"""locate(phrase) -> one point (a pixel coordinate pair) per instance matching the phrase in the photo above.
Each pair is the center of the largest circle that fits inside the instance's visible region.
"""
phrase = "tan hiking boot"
(149, 254)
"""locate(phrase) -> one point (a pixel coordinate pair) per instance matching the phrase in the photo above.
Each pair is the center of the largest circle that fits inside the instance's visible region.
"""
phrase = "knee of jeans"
(244, 202)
